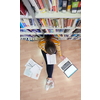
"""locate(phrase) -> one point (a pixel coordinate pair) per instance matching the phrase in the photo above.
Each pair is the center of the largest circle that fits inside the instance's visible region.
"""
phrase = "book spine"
(42, 6)
(74, 6)
(31, 22)
(47, 22)
(27, 22)
(23, 9)
(64, 5)
(69, 6)
(46, 6)
(60, 5)
(54, 5)
(21, 25)
(79, 7)
(50, 22)
(22, 21)
(62, 21)
(57, 5)
(70, 23)
(74, 23)
(35, 5)
(78, 23)
(50, 4)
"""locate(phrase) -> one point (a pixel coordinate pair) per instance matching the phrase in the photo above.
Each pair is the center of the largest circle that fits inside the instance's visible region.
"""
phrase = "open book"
(51, 59)
(67, 67)
(32, 69)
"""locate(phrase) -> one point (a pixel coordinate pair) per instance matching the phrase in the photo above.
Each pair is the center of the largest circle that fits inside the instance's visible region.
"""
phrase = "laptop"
(67, 67)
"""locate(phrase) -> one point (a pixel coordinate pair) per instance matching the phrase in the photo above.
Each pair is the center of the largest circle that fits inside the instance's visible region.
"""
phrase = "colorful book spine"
(21, 25)
(42, 6)
(64, 5)
(22, 21)
(79, 7)
(74, 23)
(69, 5)
(54, 7)
(60, 5)
(27, 22)
(45, 4)
(23, 9)
(35, 5)
(50, 5)
(31, 22)
(68, 22)
(74, 6)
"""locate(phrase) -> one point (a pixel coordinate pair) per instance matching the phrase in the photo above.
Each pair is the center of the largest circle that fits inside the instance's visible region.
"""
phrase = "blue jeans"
(49, 68)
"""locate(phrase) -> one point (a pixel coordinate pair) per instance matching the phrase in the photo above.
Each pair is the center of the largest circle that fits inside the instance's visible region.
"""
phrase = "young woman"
(50, 45)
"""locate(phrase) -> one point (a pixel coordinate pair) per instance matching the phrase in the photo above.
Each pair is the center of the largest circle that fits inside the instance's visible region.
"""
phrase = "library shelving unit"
(61, 15)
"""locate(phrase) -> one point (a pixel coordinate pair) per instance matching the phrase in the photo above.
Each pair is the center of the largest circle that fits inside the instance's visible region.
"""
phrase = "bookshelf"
(49, 15)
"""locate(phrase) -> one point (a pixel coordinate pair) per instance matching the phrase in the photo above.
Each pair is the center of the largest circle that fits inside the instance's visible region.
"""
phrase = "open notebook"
(67, 67)
(51, 59)
(32, 69)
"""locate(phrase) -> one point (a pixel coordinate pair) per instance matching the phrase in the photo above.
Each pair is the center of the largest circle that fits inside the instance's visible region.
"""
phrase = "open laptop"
(67, 67)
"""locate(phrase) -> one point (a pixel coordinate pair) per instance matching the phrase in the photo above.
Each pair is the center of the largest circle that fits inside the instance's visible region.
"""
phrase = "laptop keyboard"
(66, 65)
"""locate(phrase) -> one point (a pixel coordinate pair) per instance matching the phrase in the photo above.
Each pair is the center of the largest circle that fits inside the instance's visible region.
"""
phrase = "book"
(27, 22)
(74, 6)
(60, 5)
(23, 9)
(21, 25)
(70, 22)
(69, 5)
(35, 5)
(78, 22)
(31, 21)
(54, 6)
(22, 22)
(50, 5)
(46, 5)
(79, 7)
(74, 23)
(32, 69)
(67, 67)
(64, 5)
(51, 59)
(41, 6)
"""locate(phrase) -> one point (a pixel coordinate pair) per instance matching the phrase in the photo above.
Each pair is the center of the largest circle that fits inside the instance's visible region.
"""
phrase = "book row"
(50, 30)
(60, 37)
(51, 23)
(42, 6)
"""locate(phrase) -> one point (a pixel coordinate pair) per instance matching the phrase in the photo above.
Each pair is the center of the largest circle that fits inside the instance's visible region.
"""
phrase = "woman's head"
(50, 47)
(48, 37)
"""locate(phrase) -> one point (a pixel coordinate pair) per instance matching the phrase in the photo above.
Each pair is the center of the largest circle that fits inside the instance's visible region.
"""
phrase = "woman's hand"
(62, 57)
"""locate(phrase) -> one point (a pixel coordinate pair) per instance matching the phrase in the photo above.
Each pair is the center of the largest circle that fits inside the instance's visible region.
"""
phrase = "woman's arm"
(59, 51)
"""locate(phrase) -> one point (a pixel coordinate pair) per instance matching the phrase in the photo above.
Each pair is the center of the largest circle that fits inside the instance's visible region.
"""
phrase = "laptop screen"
(70, 71)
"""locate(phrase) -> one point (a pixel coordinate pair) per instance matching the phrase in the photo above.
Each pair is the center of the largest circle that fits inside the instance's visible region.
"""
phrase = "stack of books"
(42, 6)
(60, 37)
(27, 22)
(30, 30)
(51, 22)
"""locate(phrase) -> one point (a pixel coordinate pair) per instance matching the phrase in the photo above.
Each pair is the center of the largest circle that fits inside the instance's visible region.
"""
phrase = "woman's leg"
(49, 68)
